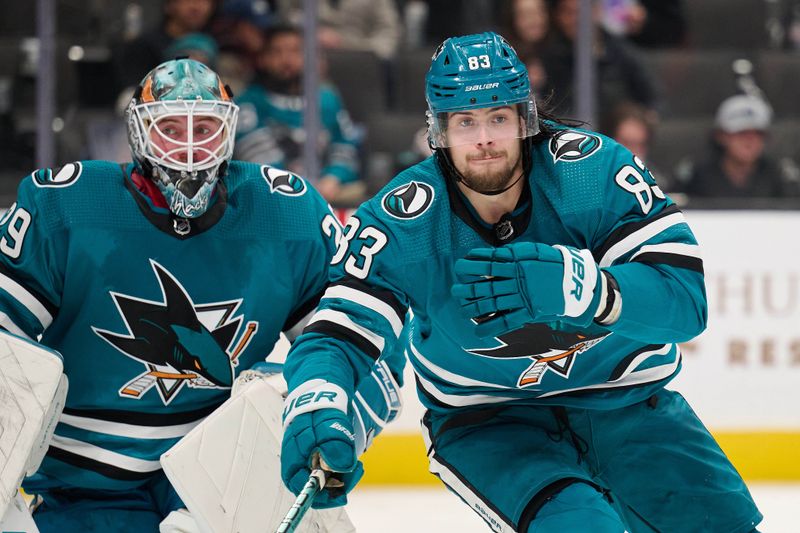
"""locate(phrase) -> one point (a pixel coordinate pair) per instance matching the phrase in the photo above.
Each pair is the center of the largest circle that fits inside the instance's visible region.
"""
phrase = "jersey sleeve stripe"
(680, 261)
(623, 231)
(370, 302)
(385, 296)
(640, 236)
(300, 316)
(338, 325)
(30, 299)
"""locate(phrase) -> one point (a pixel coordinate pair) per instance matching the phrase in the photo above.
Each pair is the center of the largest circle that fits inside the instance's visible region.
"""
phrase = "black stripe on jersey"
(41, 298)
(676, 260)
(433, 400)
(331, 329)
(628, 359)
(384, 295)
(586, 392)
(628, 229)
(302, 311)
(104, 469)
(143, 419)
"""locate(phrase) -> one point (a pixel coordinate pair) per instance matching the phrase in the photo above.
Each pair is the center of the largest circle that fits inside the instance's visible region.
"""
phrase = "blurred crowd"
(371, 119)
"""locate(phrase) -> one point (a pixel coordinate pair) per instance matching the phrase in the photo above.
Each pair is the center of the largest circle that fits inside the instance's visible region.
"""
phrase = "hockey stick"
(315, 483)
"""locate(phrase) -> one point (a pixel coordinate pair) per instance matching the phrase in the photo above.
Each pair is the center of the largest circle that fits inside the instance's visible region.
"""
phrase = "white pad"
(18, 518)
(32, 394)
(227, 469)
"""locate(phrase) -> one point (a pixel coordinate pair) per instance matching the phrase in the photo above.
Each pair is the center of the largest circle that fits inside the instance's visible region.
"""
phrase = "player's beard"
(493, 178)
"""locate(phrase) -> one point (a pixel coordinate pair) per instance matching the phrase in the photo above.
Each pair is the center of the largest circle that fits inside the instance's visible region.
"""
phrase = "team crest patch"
(409, 200)
(570, 145)
(283, 181)
(58, 177)
(180, 343)
(548, 350)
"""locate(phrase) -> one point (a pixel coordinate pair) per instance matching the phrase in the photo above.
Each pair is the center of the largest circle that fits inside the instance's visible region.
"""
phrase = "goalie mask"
(181, 126)
(476, 72)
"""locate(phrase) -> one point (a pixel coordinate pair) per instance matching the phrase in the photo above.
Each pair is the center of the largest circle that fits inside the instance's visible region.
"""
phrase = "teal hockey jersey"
(154, 315)
(399, 251)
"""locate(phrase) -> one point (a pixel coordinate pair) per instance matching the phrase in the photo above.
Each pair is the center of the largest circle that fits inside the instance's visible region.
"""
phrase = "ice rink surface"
(432, 510)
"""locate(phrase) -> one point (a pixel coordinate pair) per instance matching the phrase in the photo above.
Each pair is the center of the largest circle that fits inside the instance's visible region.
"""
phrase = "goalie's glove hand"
(316, 422)
(504, 288)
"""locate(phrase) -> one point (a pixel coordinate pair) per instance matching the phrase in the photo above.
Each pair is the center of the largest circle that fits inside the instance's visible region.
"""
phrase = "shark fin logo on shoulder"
(283, 181)
(409, 200)
(571, 145)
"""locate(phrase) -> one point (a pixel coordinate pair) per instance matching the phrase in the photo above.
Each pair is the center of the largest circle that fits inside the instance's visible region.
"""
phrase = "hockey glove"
(504, 288)
(316, 422)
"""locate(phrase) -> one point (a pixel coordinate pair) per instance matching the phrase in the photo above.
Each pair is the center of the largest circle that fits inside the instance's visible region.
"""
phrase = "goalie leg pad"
(32, 394)
(227, 468)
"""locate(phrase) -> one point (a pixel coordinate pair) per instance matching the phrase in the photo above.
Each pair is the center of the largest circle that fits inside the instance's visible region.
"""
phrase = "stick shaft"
(315, 483)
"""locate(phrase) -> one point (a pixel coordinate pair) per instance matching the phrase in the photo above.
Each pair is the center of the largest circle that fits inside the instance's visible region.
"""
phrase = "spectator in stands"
(737, 166)
(646, 23)
(372, 25)
(134, 59)
(633, 126)
(527, 23)
(271, 120)
(620, 75)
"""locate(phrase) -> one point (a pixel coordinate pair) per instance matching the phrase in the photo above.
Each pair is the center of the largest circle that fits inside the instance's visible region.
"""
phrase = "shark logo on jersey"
(283, 182)
(549, 349)
(179, 342)
(570, 145)
(409, 200)
(58, 177)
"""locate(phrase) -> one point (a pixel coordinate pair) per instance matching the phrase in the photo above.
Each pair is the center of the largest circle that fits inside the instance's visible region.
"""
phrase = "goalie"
(159, 281)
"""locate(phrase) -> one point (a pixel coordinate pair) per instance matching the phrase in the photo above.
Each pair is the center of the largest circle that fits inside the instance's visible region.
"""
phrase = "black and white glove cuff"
(611, 301)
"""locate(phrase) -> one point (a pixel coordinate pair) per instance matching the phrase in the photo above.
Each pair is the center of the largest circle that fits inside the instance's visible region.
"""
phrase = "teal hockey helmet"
(476, 72)
(181, 127)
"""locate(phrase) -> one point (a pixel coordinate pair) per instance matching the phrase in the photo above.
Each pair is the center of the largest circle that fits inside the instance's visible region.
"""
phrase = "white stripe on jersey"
(295, 331)
(341, 319)
(369, 301)
(464, 491)
(84, 449)
(455, 400)
(119, 429)
(446, 375)
(8, 325)
(648, 375)
(638, 237)
(674, 248)
(664, 350)
(27, 299)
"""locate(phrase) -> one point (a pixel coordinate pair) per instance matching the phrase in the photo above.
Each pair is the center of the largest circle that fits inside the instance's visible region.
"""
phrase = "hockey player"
(159, 281)
(549, 280)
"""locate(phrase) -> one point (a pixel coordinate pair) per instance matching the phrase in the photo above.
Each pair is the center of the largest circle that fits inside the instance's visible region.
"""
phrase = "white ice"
(433, 510)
